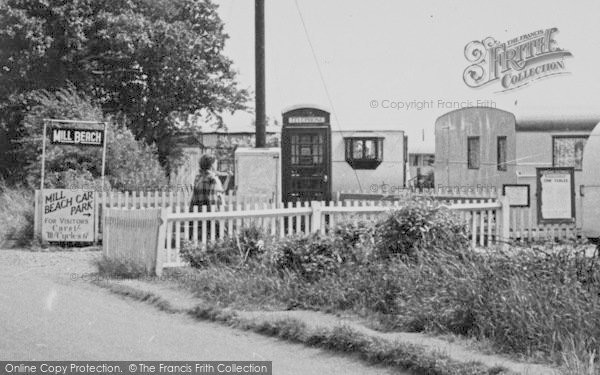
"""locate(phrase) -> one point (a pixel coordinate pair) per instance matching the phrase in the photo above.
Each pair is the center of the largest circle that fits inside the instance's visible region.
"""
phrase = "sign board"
(307, 120)
(518, 195)
(556, 195)
(68, 215)
(70, 136)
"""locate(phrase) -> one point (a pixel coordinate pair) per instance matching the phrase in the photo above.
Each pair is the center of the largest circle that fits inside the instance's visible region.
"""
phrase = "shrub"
(248, 244)
(75, 179)
(16, 221)
(310, 256)
(132, 164)
(419, 226)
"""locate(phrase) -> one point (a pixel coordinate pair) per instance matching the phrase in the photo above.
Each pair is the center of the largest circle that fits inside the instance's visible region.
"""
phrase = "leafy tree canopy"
(152, 60)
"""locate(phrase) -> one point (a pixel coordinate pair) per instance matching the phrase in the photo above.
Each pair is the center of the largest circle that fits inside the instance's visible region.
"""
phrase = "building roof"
(305, 105)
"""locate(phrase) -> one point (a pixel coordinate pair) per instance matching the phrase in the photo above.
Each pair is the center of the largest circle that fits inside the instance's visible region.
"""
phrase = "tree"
(130, 164)
(153, 60)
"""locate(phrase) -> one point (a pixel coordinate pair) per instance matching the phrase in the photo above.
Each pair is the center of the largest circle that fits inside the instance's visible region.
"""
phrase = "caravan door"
(590, 186)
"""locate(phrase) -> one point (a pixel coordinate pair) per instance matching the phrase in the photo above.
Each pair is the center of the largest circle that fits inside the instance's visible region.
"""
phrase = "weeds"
(119, 268)
(16, 221)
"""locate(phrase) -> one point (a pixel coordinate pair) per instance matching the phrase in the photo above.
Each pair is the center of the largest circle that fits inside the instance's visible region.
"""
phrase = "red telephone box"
(306, 155)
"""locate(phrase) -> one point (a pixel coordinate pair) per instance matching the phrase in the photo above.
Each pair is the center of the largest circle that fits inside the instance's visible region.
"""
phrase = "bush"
(16, 221)
(419, 226)
(249, 244)
(75, 179)
(310, 256)
(132, 164)
(356, 239)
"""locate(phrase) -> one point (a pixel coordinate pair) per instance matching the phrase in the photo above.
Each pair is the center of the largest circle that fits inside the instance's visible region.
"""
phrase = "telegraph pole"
(259, 53)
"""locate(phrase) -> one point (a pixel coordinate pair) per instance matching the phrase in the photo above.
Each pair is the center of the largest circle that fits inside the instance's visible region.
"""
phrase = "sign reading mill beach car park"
(68, 215)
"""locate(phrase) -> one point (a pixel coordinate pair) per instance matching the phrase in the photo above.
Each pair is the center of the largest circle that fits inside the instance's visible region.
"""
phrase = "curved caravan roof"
(473, 117)
(550, 120)
(557, 121)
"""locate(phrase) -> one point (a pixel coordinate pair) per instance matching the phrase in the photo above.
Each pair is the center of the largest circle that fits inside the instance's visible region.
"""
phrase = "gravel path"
(61, 265)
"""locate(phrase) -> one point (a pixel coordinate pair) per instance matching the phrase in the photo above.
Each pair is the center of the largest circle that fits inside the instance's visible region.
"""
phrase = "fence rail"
(490, 221)
(173, 200)
(486, 222)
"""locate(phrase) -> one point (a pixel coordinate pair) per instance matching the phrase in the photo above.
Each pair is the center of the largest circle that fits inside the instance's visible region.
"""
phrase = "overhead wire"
(321, 76)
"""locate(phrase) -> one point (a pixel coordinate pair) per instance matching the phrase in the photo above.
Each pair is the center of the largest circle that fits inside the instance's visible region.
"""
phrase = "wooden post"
(37, 217)
(505, 212)
(160, 243)
(316, 216)
(96, 216)
(105, 233)
(259, 55)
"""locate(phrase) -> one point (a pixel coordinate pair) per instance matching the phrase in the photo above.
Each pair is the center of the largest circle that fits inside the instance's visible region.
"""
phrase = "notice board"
(556, 195)
(68, 215)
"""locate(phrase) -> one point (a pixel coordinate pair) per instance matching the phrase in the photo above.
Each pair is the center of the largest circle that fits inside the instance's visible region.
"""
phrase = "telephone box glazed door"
(306, 170)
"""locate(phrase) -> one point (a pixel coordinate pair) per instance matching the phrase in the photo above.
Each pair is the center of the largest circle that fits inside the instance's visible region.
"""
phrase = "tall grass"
(539, 304)
(16, 215)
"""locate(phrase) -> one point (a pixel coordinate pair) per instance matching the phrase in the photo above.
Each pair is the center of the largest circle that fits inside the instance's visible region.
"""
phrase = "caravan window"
(568, 151)
(473, 152)
(501, 153)
(364, 153)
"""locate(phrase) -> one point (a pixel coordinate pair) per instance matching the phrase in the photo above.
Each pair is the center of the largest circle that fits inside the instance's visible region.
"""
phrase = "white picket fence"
(176, 201)
(488, 222)
(523, 223)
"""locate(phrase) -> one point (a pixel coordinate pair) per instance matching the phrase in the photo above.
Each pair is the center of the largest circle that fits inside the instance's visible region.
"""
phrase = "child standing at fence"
(208, 190)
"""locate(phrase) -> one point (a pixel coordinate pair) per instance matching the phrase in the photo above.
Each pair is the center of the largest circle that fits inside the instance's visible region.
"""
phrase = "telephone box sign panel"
(68, 215)
(307, 120)
(306, 116)
(556, 195)
(85, 137)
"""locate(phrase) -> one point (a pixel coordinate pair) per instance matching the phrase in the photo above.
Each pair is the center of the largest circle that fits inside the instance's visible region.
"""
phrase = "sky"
(379, 54)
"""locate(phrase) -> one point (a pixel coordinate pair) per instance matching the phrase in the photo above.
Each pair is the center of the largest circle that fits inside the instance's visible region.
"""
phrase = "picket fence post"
(37, 215)
(505, 236)
(106, 232)
(316, 216)
(160, 243)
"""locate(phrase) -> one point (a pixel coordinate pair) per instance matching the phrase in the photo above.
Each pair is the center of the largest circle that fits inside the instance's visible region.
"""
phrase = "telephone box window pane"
(568, 151)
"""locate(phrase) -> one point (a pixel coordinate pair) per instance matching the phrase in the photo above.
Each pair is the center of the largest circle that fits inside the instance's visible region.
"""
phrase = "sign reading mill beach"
(68, 215)
(84, 137)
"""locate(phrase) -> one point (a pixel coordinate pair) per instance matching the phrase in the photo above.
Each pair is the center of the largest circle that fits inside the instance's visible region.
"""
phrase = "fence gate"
(132, 235)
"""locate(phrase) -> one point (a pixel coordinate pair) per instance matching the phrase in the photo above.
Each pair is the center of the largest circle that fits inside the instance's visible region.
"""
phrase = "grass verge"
(342, 339)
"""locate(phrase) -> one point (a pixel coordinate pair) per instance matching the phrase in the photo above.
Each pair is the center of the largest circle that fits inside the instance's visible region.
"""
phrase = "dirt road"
(48, 313)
